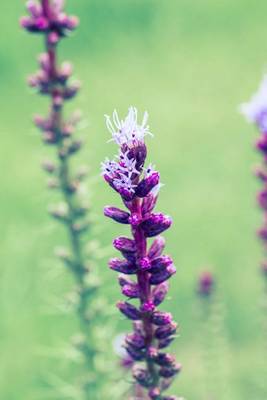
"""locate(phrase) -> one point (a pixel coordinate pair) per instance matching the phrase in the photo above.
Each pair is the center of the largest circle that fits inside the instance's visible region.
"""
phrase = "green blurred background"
(189, 63)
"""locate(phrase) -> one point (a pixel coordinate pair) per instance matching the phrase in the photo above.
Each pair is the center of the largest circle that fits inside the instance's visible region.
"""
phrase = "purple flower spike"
(138, 187)
(255, 111)
(53, 79)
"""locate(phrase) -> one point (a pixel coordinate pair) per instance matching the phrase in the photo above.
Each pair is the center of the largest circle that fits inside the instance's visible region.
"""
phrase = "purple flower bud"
(165, 359)
(124, 245)
(162, 276)
(127, 362)
(160, 264)
(49, 137)
(131, 290)
(116, 214)
(152, 353)
(159, 293)
(124, 280)
(156, 224)
(129, 310)
(65, 71)
(147, 184)
(122, 266)
(205, 283)
(154, 393)
(71, 90)
(72, 22)
(135, 340)
(261, 144)
(161, 318)
(262, 233)
(142, 376)
(262, 199)
(261, 174)
(165, 331)
(157, 247)
(53, 38)
(136, 354)
(34, 8)
(149, 203)
(126, 194)
(25, 22)
(169, 372)
(48, 166)
(138, 152)
(165, 342)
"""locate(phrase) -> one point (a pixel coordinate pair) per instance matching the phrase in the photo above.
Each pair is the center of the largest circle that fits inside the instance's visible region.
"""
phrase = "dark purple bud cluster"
(56, 82)
(138, 186)
(49, 18)
(205, 285)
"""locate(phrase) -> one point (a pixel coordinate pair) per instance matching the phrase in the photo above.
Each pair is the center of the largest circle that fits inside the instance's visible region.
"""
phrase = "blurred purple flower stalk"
(213, 340)
(255, 112)
(48, 18)
(138, 187)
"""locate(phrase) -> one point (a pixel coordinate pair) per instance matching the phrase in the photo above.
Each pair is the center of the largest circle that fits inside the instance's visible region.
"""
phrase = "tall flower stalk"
(214, 347)
(138, 187)
(53, 80)
(255, 112)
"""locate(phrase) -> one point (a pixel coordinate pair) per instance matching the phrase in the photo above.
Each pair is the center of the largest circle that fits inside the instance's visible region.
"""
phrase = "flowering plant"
(138, 187)
(48, 18)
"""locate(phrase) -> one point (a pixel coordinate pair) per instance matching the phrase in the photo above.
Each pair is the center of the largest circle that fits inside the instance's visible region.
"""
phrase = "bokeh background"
(189, 63)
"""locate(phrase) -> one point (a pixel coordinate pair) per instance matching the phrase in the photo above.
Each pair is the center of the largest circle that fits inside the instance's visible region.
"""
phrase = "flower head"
(48, 18)
(124, 172)
(256, 109)
(127, 131)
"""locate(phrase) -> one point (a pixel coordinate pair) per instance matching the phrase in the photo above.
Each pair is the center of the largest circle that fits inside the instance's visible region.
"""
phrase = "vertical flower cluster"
(255, 112)
(52, 80)
(138, 186)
